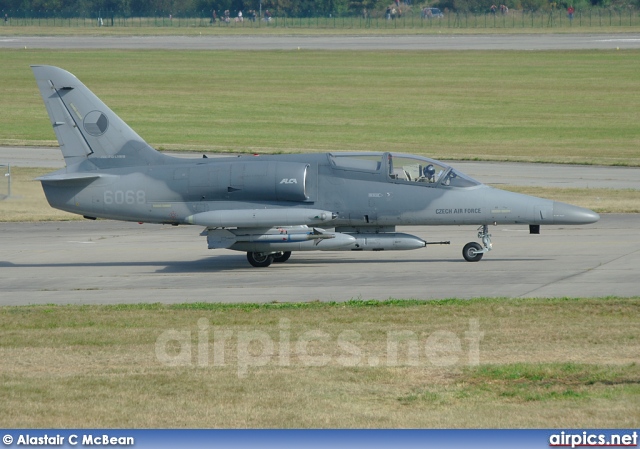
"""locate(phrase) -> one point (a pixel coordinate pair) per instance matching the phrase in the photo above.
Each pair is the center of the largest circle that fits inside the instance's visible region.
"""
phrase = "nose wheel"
(473, 251)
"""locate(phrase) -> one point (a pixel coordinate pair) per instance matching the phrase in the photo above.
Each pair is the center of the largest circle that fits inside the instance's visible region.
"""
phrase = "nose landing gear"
(472, 251)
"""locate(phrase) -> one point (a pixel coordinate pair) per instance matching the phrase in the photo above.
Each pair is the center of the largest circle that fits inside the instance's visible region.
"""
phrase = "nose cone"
(568, 214)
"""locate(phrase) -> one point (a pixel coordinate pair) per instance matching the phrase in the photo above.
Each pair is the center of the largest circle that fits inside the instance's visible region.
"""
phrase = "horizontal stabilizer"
(261, 217)
(60, 177)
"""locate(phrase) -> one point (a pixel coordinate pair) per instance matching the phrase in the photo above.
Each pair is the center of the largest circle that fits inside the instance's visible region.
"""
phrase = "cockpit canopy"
(404, 168)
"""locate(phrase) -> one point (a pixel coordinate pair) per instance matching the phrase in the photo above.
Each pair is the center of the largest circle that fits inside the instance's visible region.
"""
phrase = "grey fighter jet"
(270, 206)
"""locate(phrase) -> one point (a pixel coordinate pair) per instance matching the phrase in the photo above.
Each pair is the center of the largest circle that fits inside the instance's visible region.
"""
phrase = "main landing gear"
(261, 260)
(472, 251)
(281, 257)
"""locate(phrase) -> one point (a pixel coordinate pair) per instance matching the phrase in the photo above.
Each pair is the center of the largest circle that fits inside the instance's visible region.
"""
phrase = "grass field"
(478, 363)
(564, 106)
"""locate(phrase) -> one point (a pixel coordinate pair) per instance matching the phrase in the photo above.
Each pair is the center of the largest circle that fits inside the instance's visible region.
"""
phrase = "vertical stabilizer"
(85, 127)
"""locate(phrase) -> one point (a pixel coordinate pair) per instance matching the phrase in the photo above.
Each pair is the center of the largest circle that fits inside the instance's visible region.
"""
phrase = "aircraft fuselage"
(180, 188)
(269, 205)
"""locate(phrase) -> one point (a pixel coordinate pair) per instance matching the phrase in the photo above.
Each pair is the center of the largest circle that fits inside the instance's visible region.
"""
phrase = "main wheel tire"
(260, 260)
(470, 252)
(281, 257)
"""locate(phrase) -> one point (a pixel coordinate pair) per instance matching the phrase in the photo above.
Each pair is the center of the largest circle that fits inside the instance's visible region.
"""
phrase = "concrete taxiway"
(496, 173)
(577, 41)
(106, 262)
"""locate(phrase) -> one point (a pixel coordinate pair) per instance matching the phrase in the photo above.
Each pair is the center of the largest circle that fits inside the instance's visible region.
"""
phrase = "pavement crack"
(580, 273)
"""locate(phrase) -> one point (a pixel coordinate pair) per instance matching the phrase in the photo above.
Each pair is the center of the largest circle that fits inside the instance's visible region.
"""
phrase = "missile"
(265, 218)
(287, 238)
(282, 235)
(302, 238)
(385, 242)
(335, 242)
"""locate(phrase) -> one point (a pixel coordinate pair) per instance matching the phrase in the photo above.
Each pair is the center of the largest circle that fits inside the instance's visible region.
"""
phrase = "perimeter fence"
(588, 18)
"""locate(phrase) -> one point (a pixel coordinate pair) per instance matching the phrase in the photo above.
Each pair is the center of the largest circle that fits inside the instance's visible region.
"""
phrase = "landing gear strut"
(472, 251)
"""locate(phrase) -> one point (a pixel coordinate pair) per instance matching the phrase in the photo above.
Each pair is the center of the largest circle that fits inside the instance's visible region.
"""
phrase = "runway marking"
(72, 241)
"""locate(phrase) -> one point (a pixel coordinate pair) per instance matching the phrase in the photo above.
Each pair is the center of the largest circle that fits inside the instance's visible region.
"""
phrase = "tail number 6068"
(124, 197)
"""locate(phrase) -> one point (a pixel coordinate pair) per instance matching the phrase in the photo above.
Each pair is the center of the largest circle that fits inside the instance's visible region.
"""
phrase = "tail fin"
(85, 127)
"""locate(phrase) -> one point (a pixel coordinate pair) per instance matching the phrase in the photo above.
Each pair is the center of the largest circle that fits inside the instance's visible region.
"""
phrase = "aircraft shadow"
(231, 263)
(162, 266)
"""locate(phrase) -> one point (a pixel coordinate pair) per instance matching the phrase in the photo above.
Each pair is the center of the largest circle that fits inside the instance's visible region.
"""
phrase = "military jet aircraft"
(270, 206)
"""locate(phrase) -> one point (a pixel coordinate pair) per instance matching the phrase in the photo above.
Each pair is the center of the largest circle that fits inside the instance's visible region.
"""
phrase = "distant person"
(267, 16)
(240, 18)
(493, 9)
(570, 11)
(6, 18)
(387, 13)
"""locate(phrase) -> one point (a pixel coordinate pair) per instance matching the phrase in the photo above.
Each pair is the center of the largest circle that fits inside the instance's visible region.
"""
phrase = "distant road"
(510, 173)
(388, 42)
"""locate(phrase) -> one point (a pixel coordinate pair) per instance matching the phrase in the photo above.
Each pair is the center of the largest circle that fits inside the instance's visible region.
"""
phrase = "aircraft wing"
(261, 218)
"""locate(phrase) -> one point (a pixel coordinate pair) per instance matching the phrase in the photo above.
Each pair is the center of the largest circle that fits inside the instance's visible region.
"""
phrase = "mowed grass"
(564, 106)
(362, 364)
(27, 201)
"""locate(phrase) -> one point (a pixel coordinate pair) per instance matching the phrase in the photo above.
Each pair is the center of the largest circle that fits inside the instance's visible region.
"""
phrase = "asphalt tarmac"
(578, 41)
(106, 262)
